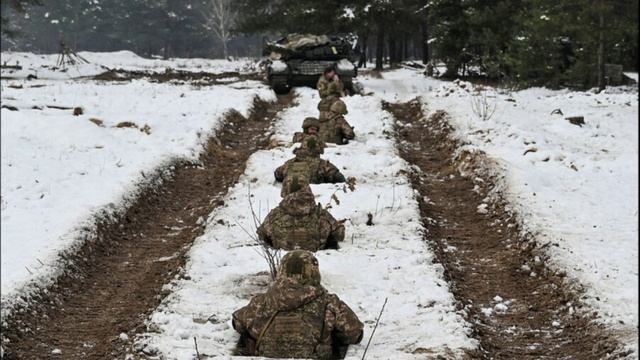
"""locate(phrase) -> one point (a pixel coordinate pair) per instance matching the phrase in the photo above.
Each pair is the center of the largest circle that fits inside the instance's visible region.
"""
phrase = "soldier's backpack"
(305, 171)
(298, 232)
(328, 131)
(296, 333)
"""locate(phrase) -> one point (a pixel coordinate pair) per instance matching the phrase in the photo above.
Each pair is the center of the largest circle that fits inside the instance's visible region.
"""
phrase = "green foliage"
(529, 42)
(17, 7)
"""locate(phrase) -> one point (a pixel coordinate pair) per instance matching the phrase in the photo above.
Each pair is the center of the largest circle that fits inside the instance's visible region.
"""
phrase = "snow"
(99, 62)
(59, 171)
(632, 75)
(387, 260)
(345, 65)
(577, 192)
(279, 66)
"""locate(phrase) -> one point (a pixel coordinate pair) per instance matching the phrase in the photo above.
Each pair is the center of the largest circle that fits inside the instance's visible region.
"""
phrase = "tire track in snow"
(518, 311)
(113, 283)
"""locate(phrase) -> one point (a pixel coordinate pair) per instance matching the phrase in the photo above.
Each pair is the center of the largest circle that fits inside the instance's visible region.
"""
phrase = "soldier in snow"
(334, 128)
(299, 223)
(329, 84)
(324, 105)
(297, 317)
(307, 167)
(310, 128)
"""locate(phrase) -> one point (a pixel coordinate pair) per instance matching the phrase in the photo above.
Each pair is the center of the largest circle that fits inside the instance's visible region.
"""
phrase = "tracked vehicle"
(299, 59)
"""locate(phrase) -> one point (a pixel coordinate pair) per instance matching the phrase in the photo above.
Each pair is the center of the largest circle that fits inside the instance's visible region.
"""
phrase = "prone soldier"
(299, 223)
(297, 317)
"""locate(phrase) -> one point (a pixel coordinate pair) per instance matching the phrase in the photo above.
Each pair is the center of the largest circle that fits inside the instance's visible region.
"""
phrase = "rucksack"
(296, 333)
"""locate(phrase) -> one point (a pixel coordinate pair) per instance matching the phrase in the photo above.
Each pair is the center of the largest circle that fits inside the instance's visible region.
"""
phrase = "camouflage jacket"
(335, 129)
(292, 320)
(328, 88)
(299, 223)
(310, 170)
(324, 106)
(301, 137)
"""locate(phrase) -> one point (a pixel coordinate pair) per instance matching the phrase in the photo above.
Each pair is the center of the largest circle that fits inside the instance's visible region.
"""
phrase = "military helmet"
(325, 104)
(310, 122)
(339, 107)
(301, 266)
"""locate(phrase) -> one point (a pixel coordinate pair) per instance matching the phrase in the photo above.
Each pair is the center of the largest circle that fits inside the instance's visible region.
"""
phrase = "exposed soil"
(485, 254)
(179, 76)
(114, 282)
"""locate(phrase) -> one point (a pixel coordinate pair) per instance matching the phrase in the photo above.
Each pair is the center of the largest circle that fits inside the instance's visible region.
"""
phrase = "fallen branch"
(59, 107)
(196, 343)
(374, 329)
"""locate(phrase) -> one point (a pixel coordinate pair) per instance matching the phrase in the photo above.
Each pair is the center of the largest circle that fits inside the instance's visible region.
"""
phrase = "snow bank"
(577, 187)
(58, 170)
(41, 65)
(389, 259)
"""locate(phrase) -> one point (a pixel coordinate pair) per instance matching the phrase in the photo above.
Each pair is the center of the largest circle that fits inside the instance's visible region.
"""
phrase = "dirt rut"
(179, 76)
(519, 309)
(117, 281)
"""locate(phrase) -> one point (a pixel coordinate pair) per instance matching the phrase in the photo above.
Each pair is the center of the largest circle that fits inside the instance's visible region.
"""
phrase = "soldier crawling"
(299, 223)
(333, 127)
(297, 317)
(329, 83)
(324, 105)
(310, 128)
(308, 167)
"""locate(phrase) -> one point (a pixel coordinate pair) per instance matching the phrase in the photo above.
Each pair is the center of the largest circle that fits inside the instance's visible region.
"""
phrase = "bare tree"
(220, 17)
(270, 254)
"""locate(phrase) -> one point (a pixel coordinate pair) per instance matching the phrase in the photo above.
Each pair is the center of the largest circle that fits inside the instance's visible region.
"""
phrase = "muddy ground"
(485, 254)
(113, 283)
(178, 76)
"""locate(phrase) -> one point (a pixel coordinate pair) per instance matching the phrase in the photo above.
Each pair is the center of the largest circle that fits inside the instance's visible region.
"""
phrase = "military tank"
(300, 59)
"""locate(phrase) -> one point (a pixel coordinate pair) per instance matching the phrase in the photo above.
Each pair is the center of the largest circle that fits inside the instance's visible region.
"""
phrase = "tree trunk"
(405, 47)
(362, 62)
(392, 50)
(425, 41)
(225, 49)
(379, 49)
(601, 75)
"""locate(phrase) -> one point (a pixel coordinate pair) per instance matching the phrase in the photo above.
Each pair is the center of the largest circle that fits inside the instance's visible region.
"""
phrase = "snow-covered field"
(41, 65)
(576, 187)
(387, 260)
(59, 170)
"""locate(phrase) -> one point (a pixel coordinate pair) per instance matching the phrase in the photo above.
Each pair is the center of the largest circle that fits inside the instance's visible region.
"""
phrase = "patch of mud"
(113, 283)
(178, 76)
(518, 307)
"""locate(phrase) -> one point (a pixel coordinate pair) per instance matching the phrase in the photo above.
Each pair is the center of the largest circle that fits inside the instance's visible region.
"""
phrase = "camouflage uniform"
(324, 106)
(297, 317)
(334, 128)
(329, 87)
(309, 140)
(299, 223)
(309, 169)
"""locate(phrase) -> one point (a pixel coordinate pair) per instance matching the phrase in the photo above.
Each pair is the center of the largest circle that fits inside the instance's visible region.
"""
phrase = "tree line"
(524, 42)
(165, 28)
